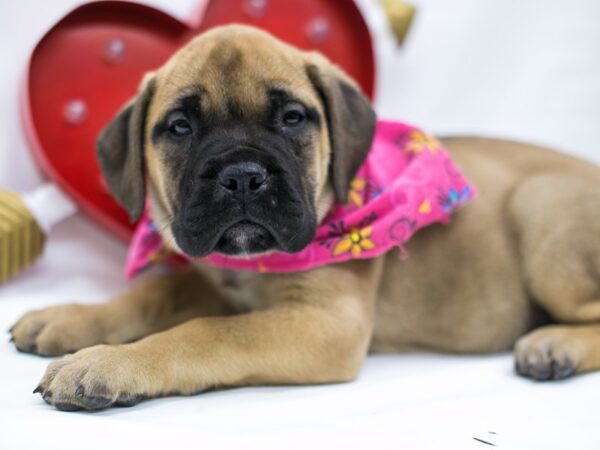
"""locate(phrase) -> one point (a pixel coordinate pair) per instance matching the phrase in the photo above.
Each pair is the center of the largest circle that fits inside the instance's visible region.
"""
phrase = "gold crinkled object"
(21, 239)
(400, 16)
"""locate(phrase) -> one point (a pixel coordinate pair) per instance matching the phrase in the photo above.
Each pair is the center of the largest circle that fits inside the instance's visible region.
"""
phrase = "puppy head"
(245, 141)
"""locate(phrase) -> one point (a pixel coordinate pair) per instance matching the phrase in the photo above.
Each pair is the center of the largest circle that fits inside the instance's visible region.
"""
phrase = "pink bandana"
(407, 182)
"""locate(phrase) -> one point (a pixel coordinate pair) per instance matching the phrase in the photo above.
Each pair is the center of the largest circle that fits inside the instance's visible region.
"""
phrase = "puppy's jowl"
(248, 146)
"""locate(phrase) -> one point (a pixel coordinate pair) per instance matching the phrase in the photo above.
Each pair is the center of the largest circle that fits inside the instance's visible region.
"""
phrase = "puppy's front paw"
(549, 353)
(95, 378)
(59, 329)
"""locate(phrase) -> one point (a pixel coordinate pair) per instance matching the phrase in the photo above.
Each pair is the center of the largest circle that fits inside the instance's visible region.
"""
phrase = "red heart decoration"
(91, 62)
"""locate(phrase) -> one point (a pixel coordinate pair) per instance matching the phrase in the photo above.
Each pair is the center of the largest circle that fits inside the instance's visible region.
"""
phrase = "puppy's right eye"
(180, 127)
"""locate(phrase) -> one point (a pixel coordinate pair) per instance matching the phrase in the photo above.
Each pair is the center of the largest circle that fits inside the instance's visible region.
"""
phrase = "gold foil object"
(400, 16)
(21, 239)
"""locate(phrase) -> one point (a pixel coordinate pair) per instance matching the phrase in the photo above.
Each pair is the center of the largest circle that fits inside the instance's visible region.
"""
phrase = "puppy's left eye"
(180, 127)
(293, 115)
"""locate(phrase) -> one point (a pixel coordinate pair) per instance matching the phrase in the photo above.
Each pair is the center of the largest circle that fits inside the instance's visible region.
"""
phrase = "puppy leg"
(152, 306)
(316, 331)
(558, 221)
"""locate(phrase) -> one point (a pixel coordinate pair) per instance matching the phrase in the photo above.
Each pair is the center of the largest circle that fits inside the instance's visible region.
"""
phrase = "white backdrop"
(512, 68)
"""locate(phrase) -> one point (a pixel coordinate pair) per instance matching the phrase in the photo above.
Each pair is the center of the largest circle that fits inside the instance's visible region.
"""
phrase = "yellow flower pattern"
(425, 207)
(355, 242)
(357, 186)
(420, 141)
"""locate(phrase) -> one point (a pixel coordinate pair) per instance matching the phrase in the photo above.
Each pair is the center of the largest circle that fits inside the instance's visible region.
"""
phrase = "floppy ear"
(120, 151)
(350, 120)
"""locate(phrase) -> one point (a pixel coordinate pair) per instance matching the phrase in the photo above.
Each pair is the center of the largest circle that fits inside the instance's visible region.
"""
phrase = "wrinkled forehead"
(231, 72)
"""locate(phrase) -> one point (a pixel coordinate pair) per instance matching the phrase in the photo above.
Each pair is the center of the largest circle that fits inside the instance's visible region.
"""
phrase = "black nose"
(243, 178)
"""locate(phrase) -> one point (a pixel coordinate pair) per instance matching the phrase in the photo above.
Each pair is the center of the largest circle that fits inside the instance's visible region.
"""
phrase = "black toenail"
(79, 392)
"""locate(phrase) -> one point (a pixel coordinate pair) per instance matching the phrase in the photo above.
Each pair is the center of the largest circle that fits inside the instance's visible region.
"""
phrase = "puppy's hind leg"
(557, 219)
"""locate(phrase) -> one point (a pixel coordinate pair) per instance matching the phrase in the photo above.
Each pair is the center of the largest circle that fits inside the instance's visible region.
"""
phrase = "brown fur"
(525, 252)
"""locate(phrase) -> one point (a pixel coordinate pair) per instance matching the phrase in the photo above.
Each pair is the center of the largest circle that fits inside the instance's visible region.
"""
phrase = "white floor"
(522, 69)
